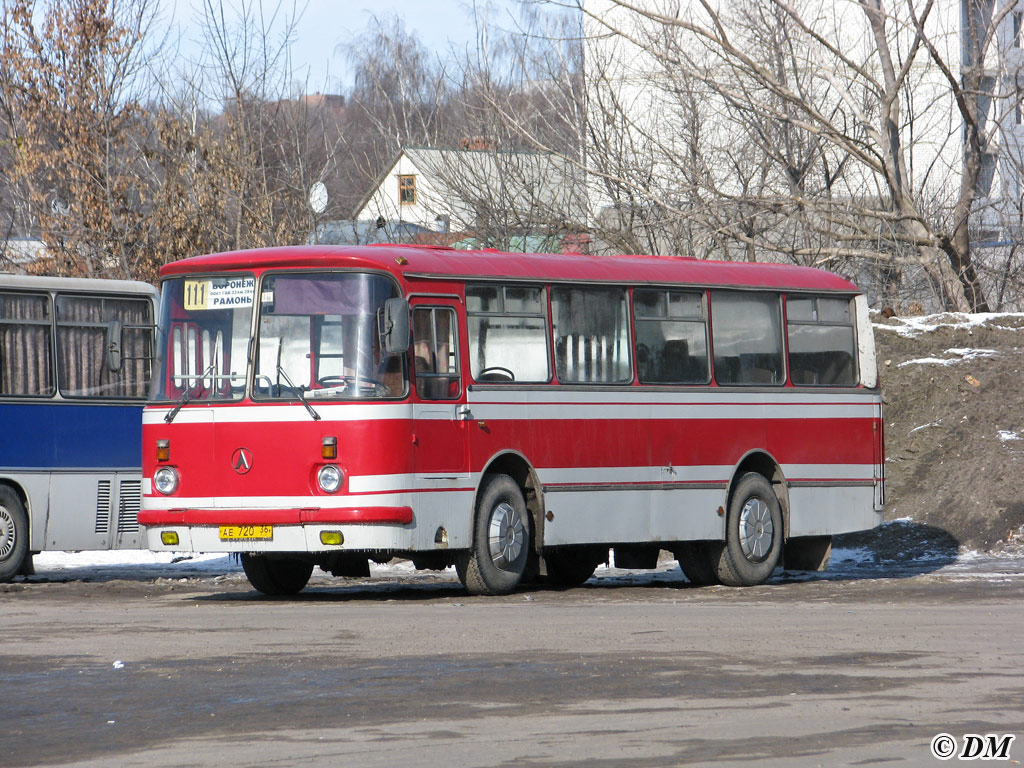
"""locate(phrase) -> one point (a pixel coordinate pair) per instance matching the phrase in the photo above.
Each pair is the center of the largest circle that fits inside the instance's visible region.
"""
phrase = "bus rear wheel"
(13, 534)
(753, 534)
(276, 576)
(497, 558)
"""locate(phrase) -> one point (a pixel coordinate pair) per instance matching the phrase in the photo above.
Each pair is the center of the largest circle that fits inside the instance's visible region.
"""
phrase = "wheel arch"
(517, 466)
(764, 464)
(20, 491)
(26, 502)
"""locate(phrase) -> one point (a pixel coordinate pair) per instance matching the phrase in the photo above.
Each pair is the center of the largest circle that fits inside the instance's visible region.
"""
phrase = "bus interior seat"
(675, 361)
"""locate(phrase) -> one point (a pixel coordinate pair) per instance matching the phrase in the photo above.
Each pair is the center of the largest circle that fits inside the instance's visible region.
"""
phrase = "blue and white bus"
(76, 356)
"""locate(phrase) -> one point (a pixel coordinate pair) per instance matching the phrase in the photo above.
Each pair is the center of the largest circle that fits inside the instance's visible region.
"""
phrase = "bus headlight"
(165, 480)
(329, 477)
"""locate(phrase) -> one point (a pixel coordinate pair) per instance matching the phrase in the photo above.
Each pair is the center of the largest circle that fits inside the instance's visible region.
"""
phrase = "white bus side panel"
(819, 511)
(94, 510)
(625, 516)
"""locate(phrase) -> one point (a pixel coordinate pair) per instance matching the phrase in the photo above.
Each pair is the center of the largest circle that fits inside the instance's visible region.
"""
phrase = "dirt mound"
(954, 418)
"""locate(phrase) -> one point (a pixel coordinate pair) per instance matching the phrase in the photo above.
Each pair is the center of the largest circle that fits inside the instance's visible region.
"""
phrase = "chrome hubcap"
(6, 533)
(756, 530)
(506, 536)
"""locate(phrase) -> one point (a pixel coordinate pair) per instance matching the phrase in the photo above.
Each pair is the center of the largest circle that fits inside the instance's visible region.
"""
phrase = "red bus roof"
(425, 262)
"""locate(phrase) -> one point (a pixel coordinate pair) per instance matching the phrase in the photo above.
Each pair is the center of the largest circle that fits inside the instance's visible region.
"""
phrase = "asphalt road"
(853, 669)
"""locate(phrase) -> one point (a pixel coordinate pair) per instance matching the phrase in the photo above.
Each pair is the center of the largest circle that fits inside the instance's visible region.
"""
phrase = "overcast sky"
(324, 24)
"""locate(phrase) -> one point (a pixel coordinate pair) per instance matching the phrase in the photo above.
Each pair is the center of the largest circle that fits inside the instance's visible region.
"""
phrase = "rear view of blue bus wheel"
(13, 534)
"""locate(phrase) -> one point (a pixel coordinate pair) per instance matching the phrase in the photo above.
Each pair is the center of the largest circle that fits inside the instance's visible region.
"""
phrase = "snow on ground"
(1006, 435)
(912, 327)
(960, 355)
(132, 564)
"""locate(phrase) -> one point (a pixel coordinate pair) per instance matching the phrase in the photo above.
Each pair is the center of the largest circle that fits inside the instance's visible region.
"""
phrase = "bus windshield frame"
(318, 337)
(203, 331)
(280, 336)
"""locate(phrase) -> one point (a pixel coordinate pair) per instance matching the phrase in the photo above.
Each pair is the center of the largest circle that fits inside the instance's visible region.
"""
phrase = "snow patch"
(1006, 435)
(132, 563)
(961, 355)
(912, 327)
(852, 555)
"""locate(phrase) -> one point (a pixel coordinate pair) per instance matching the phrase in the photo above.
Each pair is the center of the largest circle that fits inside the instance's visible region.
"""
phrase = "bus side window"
(822, 342)
(746, 332)
(591, 331)
(26, 333)
(508, 336)
(671, 337)
(435, 353)
(83, 323)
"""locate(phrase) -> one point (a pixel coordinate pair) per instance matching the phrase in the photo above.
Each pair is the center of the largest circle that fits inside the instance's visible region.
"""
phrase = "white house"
(17, 253)
(487, 193)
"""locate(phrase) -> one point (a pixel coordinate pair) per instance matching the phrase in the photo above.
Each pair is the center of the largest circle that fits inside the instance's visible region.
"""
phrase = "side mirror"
(395, 333)
(113, 345)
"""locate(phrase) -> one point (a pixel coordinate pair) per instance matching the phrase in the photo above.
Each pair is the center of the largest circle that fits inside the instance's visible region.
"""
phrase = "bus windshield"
(204, 332)
(319, 337)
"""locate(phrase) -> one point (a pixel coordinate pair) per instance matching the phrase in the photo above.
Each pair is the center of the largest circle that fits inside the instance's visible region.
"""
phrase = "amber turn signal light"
(329, 448)
(332, 538)
(163, 450)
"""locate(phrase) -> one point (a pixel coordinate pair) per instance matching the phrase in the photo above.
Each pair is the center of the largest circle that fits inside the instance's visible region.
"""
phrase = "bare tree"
(398, 98)
(850, 134)
(70, 88)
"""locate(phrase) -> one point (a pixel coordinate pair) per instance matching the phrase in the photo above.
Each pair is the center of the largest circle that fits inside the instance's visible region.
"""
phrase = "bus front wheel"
(13, 534)
(496, 561)
(753, 534)
(276, 576)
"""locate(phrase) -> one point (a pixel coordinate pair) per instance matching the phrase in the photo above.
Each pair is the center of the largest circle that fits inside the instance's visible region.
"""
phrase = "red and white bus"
(513, 415)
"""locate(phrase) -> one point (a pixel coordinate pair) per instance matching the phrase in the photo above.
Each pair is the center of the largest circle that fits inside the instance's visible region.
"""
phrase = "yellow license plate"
(246, 532)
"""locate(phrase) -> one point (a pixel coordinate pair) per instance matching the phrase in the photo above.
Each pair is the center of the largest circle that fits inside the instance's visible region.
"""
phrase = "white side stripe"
(228, 414)
(650, 412)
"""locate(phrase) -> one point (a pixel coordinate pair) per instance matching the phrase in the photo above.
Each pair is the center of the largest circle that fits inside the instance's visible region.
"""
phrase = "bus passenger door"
(879, 456)
(441, 453)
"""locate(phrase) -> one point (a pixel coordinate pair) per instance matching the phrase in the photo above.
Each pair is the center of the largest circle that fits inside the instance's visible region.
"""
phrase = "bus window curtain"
(81, 349)
(25, 361)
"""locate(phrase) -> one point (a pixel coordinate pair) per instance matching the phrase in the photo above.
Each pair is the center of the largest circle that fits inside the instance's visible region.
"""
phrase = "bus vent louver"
(103, 507)
(130, 496)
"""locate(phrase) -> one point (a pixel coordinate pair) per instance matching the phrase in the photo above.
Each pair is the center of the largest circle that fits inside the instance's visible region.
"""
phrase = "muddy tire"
(276, 576)
(13, 534)
(571, 566)
(753, 534)
(496, 561)
(694, 559)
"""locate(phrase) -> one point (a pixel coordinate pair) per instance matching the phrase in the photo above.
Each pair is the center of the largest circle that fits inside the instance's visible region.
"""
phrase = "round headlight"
(165, 480)
(329, 478)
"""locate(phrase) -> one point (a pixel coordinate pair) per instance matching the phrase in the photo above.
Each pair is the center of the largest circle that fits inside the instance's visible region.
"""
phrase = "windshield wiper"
(187, 395)
(298, 390)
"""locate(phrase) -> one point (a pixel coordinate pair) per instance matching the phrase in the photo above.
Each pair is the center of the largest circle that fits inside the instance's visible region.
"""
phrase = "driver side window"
(435, 353)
